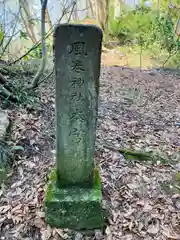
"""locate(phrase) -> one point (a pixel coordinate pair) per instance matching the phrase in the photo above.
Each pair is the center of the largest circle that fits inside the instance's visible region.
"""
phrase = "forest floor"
(138, 109)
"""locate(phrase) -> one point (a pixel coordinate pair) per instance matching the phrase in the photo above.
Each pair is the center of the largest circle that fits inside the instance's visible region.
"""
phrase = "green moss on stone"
(76, 208)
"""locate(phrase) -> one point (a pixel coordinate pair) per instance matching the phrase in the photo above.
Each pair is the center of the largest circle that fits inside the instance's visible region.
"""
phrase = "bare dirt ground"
(137, 109)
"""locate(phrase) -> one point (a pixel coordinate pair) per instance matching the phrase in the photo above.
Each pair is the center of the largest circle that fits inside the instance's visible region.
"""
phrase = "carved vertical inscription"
(77, 63)
(77, 94)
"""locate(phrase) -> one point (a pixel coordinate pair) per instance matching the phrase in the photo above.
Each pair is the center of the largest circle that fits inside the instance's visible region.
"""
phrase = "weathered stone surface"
(4, 123)
(4, 156)
(73, 196)
(77, 63)
(4, 161)
(75, 208)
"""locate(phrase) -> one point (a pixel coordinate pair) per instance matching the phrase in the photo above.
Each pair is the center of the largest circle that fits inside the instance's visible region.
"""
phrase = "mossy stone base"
(74, 207)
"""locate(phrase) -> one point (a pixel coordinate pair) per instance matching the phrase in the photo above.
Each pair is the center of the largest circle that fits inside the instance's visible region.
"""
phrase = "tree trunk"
(92, 8)
(26, 16)
(157, 5)
(48, 19)
(36, 79)
(102, 15)
(117, 9)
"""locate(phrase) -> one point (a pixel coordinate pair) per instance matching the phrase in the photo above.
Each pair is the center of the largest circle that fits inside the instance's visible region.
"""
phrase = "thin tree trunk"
(157, 5)
(91, 8)
(48, 19)
(25, 14)
(102, 15)
(117, 9)
(44, 50)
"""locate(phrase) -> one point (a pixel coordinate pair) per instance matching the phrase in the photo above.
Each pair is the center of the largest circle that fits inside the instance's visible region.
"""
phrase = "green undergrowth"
(17, 83)
(172, 186)
(151, 57)
(147, 32)
(24, 98)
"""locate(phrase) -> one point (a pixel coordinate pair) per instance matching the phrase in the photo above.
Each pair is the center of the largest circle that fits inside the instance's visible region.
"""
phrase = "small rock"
(4, 123)
(99, 235)
(116, 156)
(176, 200)
(132, 123)
(177, 204)
(146, 179)
(78, 236)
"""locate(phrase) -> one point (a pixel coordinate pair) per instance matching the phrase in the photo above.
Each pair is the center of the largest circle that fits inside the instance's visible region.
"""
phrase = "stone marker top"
(77, 50)
(75, 33)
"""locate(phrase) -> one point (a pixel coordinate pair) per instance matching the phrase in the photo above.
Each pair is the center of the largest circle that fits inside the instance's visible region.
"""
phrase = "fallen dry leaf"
(168, 233)
(153, 229)
(61, 233)
(46, 233)
(41, 214)
(17, 219)
(17, 209)
(39, 223)
(4, 209)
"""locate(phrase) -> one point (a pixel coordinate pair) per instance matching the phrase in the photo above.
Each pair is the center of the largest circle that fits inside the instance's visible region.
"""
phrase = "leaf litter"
(138, 109)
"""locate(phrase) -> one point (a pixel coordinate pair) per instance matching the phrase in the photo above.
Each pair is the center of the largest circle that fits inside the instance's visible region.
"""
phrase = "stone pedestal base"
(74, 208)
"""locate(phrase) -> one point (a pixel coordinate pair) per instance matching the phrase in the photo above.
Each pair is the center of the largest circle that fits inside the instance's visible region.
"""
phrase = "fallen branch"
(139, 155)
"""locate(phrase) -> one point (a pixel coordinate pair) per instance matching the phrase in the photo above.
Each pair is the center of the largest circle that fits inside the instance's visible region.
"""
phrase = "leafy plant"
(150, 29)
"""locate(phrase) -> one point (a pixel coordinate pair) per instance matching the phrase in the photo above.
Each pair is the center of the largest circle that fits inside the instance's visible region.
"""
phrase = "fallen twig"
(139, 155)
